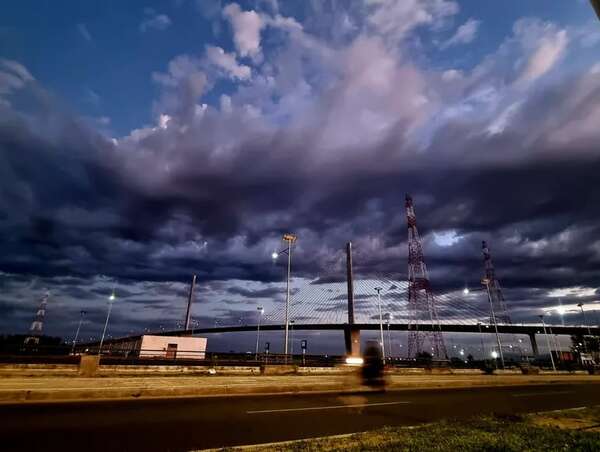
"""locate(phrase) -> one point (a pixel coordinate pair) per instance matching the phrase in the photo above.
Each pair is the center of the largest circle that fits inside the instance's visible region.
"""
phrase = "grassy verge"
(571, 430)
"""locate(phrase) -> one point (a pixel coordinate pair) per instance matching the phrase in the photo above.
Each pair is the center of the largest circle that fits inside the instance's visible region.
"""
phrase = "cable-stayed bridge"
(323, 305)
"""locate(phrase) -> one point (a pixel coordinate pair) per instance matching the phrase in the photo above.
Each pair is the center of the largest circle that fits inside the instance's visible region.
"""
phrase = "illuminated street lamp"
(495, 357)
(290, 239)
(260, 312)
(486, 283)
(547, 341)
(81, 314)
(466, 291)
(111, 300)
(378, 290)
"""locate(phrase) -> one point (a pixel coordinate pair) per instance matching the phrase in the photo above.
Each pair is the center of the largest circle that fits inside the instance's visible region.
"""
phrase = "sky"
(142, 142)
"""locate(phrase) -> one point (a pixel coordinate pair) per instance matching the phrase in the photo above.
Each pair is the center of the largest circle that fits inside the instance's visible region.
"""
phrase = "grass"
(515, 433)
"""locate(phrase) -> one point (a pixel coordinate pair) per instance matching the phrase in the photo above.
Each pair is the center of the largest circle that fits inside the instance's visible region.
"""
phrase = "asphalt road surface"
(184, 424)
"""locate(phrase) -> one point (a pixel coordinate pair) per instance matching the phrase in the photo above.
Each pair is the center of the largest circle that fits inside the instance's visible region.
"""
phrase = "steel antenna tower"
(35, 331)
(421, 304)
(496, 298)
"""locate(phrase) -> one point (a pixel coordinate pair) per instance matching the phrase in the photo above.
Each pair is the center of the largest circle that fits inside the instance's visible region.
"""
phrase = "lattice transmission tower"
(35, 331)
(498, 305)
(421, 303)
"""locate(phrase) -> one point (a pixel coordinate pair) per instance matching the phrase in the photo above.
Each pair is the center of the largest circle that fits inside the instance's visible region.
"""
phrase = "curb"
(59, 395)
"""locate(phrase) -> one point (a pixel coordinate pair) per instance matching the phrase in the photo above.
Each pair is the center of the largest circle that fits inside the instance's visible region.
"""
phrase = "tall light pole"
(260, 311)
(378, 290)
(486, 283)
(292, 339)
(290, 239)
(580, 305)
(389, 317)
(548, 342)
(81, 314)
(111, 300)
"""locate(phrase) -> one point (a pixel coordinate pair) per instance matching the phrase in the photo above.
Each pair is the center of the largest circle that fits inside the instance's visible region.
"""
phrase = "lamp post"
(111, 300)
(389, 317)
(580, 305)
(548, 341)
(290, 239)
(486, 283)
(81, 314)
(378, 290)
(292, 339)
(260, 311)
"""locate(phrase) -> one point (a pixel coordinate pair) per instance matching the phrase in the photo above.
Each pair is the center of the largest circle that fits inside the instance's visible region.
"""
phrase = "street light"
(290, 239)
(466, 291)
(548, 341)
(580, 305)
(260, 311)
(486, 283)
(111, 300)
(389, 317)
(81, 314)
(292, 339)
(378, 290)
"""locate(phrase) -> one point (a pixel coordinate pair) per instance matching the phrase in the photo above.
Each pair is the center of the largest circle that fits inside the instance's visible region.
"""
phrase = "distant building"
(172, 347)
(152, 346)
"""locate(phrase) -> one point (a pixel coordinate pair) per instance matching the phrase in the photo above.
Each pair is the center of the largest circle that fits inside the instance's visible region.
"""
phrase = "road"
(183, 424)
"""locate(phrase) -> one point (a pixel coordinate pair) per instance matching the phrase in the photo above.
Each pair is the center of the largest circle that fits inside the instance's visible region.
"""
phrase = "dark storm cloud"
(268, 292)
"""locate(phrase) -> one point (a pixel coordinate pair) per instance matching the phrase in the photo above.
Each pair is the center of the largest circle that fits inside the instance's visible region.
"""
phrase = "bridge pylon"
(351, 333)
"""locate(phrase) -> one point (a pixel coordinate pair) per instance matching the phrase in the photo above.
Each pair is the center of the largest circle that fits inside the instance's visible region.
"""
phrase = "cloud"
(322, 138)
(83, 31)
(247, 26)
(154, 21)
(228, 63)
(548, 47)
(395, 20)
(13, 76)
(465, 34)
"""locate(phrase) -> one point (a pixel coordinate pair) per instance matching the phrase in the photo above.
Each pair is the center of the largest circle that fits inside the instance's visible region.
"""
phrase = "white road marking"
(530, 394)
(331, 407)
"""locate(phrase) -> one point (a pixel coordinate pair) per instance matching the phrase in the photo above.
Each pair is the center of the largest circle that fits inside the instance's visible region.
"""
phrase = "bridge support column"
(352, 340)
(534, 346)
(351, 334)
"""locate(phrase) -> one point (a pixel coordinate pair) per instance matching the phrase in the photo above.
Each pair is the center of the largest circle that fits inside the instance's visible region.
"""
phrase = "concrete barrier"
(508, 372)
(285, 369)
(88, 366)
(33, 370)
(339, 370)
(119, 370)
